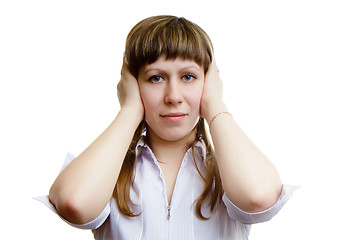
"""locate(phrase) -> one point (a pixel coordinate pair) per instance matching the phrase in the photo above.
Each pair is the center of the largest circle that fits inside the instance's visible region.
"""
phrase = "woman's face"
(171, 92)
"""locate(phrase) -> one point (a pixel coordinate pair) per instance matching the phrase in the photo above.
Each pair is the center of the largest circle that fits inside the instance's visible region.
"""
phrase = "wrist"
(212, 110)
(133, 114)
(218, 115)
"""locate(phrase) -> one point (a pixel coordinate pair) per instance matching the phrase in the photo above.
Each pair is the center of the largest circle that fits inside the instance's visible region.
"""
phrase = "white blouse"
(159, 220)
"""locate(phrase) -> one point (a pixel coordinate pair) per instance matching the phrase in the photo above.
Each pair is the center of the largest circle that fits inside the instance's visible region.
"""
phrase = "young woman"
(154, 173)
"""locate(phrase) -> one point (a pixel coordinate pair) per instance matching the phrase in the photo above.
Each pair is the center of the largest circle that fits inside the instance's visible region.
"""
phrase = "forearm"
(249, 179)
(86, 185)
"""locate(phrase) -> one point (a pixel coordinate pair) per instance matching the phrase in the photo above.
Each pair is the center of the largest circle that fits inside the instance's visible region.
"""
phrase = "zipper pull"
(168, 212)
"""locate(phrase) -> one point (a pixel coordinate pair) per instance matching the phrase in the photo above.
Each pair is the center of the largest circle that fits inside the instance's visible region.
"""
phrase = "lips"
(174, 117)
(178, 114)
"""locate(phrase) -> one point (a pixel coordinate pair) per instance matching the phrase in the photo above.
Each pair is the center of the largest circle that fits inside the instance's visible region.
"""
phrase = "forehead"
(172, 63)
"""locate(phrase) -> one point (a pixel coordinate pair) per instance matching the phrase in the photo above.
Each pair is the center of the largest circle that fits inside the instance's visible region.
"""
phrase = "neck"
(170, 151)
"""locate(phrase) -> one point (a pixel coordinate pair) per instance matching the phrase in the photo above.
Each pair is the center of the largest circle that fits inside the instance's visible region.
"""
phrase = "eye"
(156, 79)
(189, 77)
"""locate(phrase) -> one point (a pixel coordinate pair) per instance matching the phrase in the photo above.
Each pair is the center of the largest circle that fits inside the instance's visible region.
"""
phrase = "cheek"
(197, 93)
(150, 99)
(195, 98)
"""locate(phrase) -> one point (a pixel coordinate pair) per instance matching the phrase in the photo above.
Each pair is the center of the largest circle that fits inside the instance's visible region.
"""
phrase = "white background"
(291, 72)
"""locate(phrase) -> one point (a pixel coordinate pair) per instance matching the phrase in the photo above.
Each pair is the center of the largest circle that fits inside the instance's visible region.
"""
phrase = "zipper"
(168, 212)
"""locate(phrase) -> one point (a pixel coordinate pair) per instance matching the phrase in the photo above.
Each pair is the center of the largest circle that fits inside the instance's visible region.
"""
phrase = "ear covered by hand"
(128, 91)
(212, 101)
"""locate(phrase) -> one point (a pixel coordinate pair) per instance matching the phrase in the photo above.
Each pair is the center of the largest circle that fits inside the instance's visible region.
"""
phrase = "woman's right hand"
(96, 170)
(128, 92)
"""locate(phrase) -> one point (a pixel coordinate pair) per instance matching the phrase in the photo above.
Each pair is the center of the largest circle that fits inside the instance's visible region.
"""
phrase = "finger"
(214, 61)
(124, 67)
(214, 65)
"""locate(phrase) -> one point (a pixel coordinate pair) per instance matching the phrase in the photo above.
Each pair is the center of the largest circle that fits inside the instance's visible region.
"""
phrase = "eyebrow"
(193, 66)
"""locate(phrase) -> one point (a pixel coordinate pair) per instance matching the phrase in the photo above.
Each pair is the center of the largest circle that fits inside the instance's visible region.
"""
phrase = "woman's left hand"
(248, 178)
(211, 101)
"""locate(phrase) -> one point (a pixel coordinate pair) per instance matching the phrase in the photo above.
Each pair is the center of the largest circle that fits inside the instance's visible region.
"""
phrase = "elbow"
(256, 201)
(71, 211)
(263, 200)
(69, 207)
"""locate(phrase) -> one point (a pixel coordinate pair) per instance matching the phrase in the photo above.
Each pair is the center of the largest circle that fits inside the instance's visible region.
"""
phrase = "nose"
(173, 93)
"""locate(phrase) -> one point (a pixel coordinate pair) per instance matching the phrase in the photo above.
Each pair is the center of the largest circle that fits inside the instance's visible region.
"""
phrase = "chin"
(173, 135)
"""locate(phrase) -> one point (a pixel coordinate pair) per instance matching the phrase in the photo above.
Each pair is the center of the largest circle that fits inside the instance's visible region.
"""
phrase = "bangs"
(170, 36)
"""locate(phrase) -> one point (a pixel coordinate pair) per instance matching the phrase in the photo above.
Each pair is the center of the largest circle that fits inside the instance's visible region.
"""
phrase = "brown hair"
(146, 42)
(173, 36)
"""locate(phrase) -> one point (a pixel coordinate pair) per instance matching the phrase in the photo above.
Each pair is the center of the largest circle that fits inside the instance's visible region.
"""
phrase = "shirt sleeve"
(94, 224)
(258, 217)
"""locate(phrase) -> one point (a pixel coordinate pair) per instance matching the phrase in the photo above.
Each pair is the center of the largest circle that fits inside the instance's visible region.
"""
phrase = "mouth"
(174, 117)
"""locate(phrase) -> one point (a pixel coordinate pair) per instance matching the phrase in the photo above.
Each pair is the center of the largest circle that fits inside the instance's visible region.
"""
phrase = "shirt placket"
(168, 205)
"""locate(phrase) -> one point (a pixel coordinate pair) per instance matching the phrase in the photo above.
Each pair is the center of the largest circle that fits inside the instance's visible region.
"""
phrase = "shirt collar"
(142, 147)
